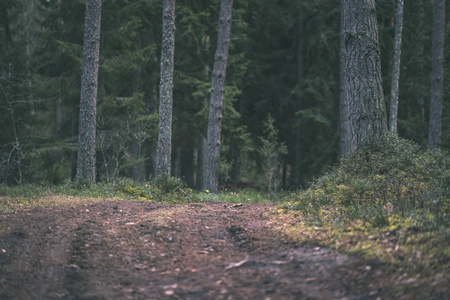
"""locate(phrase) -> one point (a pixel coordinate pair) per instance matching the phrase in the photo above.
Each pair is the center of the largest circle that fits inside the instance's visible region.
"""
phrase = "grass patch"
(390, 201)
(237, 196)
(168, 190)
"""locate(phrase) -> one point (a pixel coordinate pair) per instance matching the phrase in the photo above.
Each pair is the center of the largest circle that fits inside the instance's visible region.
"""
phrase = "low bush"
(389, 175)
(391, 200)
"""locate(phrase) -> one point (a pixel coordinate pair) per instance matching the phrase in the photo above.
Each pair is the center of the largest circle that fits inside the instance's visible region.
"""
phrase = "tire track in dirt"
(36, 258)
(141, 250)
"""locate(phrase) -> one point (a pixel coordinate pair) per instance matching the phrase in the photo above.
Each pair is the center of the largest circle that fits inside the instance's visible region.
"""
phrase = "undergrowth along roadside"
(390, 201)
(166, 190)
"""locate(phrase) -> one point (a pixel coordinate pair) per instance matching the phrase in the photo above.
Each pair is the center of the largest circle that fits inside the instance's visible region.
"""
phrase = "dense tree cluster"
(283, 60)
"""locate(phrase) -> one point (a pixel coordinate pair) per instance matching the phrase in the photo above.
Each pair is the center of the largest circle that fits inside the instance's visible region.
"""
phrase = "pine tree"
(363, 72)
(89, 84)
(164, 151)
(437, 75)
(210, 176)
(393, 111)
(345, 129)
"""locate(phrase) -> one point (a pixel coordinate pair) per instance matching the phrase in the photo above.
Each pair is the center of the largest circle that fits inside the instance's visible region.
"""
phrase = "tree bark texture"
(210, 176)
(88, 99)
(164, 150)
(363, 83)
(393, 110)
(437, 75)
(345, 140)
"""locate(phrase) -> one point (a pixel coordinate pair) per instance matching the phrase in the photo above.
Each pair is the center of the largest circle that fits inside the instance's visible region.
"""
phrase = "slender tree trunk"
(138, 169)
(298, 144)
(151, 108)
(210, 176)
(201, 141)
(437, 75)
(60, 111)
(346, 146)
(89, 85)
(363, 82)
(164, 150)
(393, 111)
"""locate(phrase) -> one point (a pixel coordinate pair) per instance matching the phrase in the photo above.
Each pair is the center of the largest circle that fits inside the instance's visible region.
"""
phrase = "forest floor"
(143, 250)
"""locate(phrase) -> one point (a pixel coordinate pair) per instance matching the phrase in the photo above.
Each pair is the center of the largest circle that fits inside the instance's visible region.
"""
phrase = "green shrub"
(389, 201)
(388, 171)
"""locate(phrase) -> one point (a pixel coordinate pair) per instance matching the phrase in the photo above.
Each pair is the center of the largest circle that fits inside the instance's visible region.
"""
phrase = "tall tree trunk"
(210, 176)
(393, 111)
(201, 142)
(164, 150)
(201, 139)
(363, 82)
(138, 169)
(89, 85)
(60, 111)
(344, 115)
(420, 53)
(297, 180)
(437, 75)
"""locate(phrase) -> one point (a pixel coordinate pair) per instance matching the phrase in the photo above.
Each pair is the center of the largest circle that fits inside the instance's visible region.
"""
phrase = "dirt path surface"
(141, 250)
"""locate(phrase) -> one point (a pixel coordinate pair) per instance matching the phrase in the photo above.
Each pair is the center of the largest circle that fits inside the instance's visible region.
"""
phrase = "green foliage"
(388, 171)
(25, 191)
(170, 185)
(272, 152)
(165, 190)
(312, 114)
(283, 59)
(122, 123)
(389, 201)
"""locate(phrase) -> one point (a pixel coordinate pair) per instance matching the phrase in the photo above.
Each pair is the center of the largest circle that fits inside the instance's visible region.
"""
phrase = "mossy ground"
(389, 202)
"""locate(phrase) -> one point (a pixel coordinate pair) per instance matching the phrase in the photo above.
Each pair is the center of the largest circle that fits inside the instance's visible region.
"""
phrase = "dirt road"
(143, 250)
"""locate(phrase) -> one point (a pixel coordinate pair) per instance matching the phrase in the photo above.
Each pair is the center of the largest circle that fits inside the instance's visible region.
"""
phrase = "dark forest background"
(283, 61)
